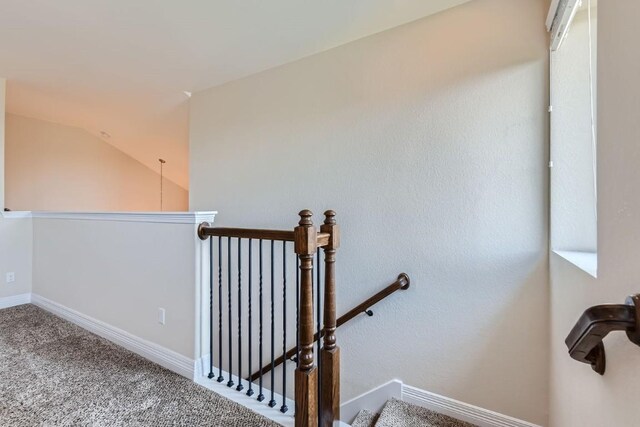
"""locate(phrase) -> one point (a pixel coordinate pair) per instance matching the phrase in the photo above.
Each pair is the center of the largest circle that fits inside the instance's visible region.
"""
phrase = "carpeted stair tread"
(397, 413)
(365, 419)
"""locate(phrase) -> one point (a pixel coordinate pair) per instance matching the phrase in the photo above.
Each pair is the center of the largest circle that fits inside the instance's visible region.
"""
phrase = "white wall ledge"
(148, 217)
(586, 261)
(16, 214)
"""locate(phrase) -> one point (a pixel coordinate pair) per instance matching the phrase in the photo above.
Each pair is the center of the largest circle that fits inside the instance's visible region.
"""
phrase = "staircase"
(270, 292)
(397, 413)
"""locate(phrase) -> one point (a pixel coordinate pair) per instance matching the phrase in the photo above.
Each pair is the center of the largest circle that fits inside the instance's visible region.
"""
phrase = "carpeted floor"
(53, 373)
(397, 413)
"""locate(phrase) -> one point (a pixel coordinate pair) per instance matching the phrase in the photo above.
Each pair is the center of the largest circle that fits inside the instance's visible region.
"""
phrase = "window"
(573, 131)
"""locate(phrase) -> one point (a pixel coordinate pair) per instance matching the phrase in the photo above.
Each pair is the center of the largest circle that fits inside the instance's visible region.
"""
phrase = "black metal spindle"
(319, 328)
(260, 394)
(284, 407)
(230, 382)
(240, 387)
(211, 375)
(220, 377)
(272, 402)
(250, 292)
(319, 299)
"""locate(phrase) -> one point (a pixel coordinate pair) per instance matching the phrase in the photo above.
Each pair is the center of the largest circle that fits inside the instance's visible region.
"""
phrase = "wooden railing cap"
(305, 218)
(330, 217)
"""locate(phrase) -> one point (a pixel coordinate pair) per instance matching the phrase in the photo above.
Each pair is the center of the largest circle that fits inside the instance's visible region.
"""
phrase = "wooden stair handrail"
(402, 283)
(205, 231)
(585, 339)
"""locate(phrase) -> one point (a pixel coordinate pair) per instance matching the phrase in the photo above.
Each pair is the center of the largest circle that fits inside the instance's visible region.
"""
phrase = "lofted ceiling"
(121, 67)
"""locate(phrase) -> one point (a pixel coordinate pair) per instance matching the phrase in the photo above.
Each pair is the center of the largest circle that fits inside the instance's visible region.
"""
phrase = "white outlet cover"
(11, 277)
(161, 316)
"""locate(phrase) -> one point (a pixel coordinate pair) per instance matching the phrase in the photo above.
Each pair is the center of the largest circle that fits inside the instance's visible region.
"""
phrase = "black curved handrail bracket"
(585, 339)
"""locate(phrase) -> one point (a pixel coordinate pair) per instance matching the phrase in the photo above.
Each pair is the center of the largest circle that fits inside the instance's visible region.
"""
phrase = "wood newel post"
(306, 379)
(330, 353)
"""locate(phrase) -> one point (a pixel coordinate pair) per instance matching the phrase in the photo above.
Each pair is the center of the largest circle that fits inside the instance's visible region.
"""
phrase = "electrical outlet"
(11, 277)
(161, 316)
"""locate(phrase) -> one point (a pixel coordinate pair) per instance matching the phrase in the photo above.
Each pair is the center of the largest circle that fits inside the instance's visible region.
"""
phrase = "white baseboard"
(375, 399)
(460, 410)
(15, 300)
(286, 420)
(162, 356)
(192, 369)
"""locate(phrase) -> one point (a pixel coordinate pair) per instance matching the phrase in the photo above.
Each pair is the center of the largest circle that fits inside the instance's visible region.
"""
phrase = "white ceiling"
(122, 66)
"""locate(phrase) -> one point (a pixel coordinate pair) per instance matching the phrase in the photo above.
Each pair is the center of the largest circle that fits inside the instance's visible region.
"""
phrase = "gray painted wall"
(430, 141)
(579, 397)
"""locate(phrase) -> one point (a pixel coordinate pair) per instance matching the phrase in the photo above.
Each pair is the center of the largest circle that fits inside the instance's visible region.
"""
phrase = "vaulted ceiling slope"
(121, 66)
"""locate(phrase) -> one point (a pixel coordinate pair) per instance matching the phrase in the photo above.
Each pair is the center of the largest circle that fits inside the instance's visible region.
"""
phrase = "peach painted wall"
(54, 167)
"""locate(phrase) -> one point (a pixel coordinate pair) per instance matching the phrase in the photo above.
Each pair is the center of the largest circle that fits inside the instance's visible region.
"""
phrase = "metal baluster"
(250, 291)
(272, 402)
(220, 377)
(284, 407)
(319, 328)
(260, 395)
(319, 308)
(240, 387)
(211, 375)
(230, 382)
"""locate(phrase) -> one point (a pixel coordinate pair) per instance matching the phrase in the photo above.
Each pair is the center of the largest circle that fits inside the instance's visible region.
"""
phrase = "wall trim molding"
(262, 408)
(16, 214)
(372, 400)
(15, 300)
(460, 410)
(148, 217)
(169, 359)
(375, 399)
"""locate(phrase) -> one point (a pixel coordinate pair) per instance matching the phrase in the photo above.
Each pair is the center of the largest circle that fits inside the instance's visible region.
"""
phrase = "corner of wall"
(2, 114)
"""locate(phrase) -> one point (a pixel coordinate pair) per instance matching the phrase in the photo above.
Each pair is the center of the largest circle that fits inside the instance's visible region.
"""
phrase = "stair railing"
(585, 339)
(401, 283)
(317, 396)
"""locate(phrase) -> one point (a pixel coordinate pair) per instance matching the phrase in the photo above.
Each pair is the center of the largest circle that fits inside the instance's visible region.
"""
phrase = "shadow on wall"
(519, 321)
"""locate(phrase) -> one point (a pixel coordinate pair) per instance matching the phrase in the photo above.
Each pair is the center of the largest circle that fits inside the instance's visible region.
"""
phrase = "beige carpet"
(401, 414)
(53, 373)
(365, 419)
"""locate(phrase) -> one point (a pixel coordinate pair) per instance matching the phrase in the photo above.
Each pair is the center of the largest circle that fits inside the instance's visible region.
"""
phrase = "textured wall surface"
(430, 141)
(16, 246)
(121, 273)
(16, 235)
(3, 85)
(580, 397)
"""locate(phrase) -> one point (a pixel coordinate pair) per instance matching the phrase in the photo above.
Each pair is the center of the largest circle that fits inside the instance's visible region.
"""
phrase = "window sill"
(585, 261)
